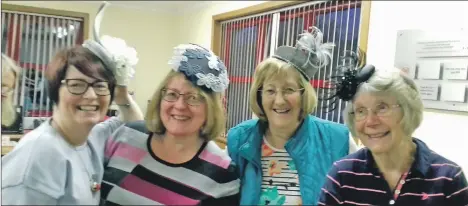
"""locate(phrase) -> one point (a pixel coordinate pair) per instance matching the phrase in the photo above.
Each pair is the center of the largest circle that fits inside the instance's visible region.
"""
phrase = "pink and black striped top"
(135, 176)
(432, 180)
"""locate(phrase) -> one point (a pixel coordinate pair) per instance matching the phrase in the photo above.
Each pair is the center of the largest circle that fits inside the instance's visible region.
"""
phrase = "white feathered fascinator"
(309, 55)
(114, 52)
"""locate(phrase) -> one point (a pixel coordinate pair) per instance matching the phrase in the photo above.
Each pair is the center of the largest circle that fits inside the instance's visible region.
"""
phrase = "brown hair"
(215, 118)
(84, 60)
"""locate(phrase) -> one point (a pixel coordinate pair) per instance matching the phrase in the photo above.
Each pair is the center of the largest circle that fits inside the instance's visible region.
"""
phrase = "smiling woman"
(61, 161)
(394, 168)
(172, 154)
(284, 155)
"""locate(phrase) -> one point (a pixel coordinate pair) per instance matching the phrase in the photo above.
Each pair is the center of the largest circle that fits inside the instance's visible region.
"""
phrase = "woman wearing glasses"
(284, 155)
(10, 73)
(394, 168)
(61, 161)
(169, 158)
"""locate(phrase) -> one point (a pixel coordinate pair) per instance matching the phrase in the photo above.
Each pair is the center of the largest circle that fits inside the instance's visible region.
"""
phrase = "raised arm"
(128, 109)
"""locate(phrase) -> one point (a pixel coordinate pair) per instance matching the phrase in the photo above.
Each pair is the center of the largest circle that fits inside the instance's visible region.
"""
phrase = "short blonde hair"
(395, 83)
(8, 65)
(272, 68)
(9, 115)
(215, 121)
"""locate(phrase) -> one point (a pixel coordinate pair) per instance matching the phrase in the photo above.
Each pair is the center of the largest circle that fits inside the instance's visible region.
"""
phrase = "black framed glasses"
(79, 87)
(193, 99)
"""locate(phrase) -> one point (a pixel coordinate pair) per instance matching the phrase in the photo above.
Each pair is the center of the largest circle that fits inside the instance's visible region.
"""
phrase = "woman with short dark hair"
(61, 161)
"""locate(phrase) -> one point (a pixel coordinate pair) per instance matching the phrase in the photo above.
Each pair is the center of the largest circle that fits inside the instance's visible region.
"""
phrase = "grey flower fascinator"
(114, 52)
(201, 66)
(309, 55)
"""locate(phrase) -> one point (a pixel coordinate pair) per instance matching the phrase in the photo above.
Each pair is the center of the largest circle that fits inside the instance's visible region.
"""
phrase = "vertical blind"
(32, 40)
(247, 41)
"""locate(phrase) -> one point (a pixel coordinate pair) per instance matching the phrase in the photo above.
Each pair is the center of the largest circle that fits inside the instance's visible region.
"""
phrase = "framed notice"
(438, 62)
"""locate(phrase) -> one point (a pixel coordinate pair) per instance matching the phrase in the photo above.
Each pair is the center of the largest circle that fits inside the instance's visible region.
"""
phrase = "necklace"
(95, 186)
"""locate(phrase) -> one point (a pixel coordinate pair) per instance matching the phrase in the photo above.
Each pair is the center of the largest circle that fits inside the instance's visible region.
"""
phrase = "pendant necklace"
(95, 186)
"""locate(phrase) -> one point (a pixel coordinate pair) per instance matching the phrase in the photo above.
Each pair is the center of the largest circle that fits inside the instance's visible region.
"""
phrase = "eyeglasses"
(271, 93)
(381, 110)
(192, 99)
(79, 86)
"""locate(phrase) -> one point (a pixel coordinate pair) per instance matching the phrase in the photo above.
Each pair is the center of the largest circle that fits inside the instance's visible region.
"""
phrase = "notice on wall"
(453, 92)
(429, 91)
(429, 69)
(456, 70)
(438, 63)
(442, 44)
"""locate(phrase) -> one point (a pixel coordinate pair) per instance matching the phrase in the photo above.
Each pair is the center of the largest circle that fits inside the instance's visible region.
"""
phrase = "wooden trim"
(365, 19)
(54, 12)
(251, 10)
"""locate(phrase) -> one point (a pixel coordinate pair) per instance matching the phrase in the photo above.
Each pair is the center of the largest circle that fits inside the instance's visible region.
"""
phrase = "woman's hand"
(121, 95)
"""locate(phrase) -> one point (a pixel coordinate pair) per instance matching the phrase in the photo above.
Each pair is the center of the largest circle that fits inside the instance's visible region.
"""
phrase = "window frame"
(258, 9)
(40, 11)
(14, 38)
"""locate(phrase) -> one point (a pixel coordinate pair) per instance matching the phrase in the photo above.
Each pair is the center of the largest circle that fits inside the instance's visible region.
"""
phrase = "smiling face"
(382, 132)
(178, 117)
(281, 101)
(86, 109)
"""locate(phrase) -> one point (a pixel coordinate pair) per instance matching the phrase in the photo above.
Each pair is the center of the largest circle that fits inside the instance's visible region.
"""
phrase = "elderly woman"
(172, 160)
(61, 161)
(10, 73)
(394, 168)
(284, 155)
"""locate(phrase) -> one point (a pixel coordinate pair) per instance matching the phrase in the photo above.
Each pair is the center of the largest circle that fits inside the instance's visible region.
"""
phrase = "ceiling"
(165, 6)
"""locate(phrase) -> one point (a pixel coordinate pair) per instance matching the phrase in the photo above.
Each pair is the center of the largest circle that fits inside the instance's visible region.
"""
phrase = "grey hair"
(395, 83)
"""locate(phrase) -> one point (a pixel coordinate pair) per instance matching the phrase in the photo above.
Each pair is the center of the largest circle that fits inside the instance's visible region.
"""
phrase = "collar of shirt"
(421, 164)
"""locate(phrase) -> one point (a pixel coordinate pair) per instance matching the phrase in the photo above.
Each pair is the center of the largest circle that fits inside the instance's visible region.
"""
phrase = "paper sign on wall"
(429, 69)
(453, 92)
(429, 91)
(456, 70)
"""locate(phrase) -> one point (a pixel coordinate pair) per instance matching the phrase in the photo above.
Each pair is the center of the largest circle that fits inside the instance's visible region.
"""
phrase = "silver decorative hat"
(309, 55)
(114, 52)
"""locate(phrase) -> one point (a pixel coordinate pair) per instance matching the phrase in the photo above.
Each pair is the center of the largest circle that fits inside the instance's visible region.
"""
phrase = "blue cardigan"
(313, 148)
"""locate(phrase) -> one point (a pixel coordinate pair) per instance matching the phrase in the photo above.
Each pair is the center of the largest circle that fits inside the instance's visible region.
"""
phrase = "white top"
(43, 169)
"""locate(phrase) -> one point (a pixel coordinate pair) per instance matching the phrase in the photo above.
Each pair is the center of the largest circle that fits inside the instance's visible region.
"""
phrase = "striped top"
(280, 183)
(432, 180)
(134, 175)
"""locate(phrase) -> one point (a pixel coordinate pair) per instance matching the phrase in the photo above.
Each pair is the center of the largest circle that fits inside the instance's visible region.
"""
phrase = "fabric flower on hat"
(124, 57)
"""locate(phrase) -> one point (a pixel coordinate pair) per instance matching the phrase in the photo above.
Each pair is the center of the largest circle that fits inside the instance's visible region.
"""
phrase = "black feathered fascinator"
(354, 71)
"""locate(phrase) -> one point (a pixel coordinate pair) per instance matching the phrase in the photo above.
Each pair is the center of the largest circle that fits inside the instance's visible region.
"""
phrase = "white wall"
(445, 132)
